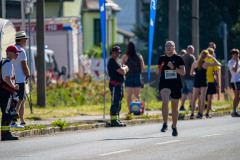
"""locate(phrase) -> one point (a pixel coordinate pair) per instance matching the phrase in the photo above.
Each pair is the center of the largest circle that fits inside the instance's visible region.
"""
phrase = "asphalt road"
(207, 139)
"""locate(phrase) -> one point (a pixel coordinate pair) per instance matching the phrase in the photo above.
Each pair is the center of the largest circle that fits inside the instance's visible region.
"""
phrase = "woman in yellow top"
(213, 81)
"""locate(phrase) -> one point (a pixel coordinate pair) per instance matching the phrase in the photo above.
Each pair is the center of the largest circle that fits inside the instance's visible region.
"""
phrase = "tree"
(211, 14)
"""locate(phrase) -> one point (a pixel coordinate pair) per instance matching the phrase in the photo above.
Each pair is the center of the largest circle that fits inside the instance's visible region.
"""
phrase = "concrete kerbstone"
(52, 130)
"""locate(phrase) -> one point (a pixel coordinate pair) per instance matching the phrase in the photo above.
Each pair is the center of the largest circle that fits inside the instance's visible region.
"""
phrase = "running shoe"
(199, 115)
(164, 127)
(182, 108)
(192, 116)
(16, 125)
(235, 114)
(117, 124)
(124, 125)
(208, 116)
(23, 124)
(174, 132)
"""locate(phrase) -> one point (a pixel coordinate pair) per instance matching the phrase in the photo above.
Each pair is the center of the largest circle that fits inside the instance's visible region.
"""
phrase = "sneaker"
(16, 125)
(122, 123)
(23, 124)
(182, 108)
(164, 127)
(199, 115)
(174, 132)
(208, 116)
(117, 124)
(192, 116)
(235, 114)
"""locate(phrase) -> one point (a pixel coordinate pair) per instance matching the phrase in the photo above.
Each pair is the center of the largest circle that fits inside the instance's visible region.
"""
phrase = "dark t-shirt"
(188, 60)
(170, 78)
(112, 67)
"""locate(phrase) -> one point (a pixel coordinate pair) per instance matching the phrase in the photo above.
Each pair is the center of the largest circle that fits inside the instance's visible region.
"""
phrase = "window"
(97, 32)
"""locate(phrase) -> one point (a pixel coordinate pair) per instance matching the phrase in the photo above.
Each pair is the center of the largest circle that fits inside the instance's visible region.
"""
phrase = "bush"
(83, 92)
(60, 123)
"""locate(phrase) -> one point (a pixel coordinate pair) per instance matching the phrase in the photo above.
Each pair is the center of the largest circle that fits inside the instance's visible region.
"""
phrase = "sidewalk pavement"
(94, 118)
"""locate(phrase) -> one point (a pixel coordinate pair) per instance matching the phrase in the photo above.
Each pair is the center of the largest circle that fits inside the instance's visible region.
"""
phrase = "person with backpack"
(8, 93)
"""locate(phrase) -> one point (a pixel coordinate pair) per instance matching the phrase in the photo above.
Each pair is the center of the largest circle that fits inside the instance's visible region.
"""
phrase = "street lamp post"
(28, 11)
(108, 18)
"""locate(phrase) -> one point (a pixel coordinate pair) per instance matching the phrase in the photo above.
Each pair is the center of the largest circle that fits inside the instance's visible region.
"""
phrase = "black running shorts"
(176, 93)
(212, 88)
(235, 85)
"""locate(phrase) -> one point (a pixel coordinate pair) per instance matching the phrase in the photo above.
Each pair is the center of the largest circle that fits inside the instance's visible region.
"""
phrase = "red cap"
(12, 48)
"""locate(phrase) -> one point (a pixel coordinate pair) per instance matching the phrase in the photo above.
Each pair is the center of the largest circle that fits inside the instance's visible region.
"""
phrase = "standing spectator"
(187, 79)
(22, 75)
(234, 67)
(170, 66)
(116, 73)
(7, 89)
(133, 81)
(182, 52)
(199, 69)
(213, 46)
(213, 83)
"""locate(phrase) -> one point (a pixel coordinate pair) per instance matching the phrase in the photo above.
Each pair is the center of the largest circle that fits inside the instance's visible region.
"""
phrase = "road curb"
(53, 130)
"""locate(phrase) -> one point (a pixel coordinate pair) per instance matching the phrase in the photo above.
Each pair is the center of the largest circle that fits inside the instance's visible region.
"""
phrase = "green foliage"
(84, 91)
(144, 116)
(28, 127)
(60, 123)
(152, 94)
(128, 116)
(96, 52)
(211, 13)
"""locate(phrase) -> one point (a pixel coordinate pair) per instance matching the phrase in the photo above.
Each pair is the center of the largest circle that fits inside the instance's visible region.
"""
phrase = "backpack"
(2, 62)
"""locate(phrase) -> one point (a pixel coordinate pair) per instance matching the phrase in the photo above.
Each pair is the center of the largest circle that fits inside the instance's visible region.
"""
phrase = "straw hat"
(21, 35)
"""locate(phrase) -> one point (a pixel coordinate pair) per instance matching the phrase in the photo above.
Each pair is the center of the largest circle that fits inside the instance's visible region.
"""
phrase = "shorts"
(187, 86)
(199, 85)
(175, 92)
(21, 92)
(133, 82)
(212, 88)
(235, 85)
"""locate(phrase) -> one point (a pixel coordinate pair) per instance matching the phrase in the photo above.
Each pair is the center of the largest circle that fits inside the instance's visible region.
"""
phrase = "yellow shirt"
(210, 71)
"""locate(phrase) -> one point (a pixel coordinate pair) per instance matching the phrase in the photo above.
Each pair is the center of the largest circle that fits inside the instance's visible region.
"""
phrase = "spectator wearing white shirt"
(22, 75)
(234, 67)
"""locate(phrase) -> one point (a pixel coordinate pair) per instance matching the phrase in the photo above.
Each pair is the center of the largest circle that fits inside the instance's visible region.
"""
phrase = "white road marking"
(168, 142)
(211, 135)
(106, 154)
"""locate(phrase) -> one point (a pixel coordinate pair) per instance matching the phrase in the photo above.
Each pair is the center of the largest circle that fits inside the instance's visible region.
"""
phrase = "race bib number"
(170, 74)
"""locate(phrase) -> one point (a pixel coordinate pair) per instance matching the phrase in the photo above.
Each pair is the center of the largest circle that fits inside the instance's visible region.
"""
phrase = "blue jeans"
(187, 86)
(133, 82)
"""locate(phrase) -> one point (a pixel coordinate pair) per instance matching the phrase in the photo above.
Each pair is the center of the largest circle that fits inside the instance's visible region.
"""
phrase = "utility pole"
(41, 66)
(173, 32)
(195, 27)
(23, 15)
(3, 8)
(225, 34)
